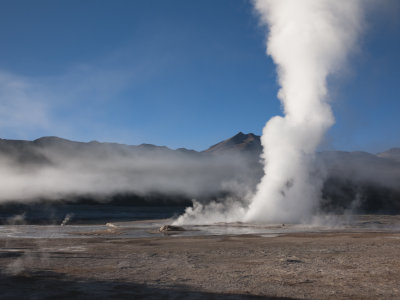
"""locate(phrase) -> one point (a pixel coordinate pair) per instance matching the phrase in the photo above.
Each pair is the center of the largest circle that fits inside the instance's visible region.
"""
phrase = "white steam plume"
(308, 40)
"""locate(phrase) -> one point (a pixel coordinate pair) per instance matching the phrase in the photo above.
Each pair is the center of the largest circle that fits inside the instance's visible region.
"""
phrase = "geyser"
(308, 40)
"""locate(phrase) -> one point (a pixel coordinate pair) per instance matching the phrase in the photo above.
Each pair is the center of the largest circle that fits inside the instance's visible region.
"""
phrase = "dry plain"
(306, 265)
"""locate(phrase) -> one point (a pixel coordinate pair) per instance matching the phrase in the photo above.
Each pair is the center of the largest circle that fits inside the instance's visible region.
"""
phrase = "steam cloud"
(308, 40)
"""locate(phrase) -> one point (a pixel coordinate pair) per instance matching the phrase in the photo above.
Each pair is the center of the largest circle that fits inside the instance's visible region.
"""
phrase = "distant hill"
(46, 150)
(393, 154)
(35, 151)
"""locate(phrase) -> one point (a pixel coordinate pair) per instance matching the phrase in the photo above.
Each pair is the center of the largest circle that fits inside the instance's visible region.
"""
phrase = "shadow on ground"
(50, 285)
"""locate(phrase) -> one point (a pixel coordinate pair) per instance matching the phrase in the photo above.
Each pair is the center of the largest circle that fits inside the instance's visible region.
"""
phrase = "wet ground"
(150, 228)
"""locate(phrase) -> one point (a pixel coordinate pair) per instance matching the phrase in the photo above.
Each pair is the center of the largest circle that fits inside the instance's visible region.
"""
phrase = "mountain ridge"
(239, 142)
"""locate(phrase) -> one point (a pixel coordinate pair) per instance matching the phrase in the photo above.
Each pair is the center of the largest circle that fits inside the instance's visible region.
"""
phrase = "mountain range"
(27, 151)
(55, 168)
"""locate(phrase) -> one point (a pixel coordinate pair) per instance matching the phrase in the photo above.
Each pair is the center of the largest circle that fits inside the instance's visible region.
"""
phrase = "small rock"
(166, 228)
(293, 261)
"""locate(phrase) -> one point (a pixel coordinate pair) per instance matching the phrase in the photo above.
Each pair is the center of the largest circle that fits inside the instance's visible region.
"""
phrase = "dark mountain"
(239, 143)
(39, 150)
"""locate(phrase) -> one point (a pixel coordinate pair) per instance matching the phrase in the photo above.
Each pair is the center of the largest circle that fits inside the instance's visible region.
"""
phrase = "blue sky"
(178, 73)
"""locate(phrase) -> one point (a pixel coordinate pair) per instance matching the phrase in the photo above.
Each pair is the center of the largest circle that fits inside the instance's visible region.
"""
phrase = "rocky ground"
(295, 266)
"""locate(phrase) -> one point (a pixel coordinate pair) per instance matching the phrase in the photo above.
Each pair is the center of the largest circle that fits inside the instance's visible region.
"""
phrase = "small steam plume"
(16, 219)
(66, 219)
(308, 40)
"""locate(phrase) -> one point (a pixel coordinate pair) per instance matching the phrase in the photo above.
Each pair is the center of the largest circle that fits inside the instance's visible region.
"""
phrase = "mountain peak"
(239, 142)
(45, 140)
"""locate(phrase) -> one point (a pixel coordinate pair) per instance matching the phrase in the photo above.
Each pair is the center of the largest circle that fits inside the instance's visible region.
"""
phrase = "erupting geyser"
(308, 40)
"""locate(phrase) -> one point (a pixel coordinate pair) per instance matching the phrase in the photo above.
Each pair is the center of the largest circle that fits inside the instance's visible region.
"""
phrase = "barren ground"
(296, 266)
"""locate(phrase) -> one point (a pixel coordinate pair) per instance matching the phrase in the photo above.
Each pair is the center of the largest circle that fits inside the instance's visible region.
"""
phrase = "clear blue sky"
(178, 73)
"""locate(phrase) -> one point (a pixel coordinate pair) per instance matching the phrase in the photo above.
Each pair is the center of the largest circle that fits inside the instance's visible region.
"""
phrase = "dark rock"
(166, 228)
